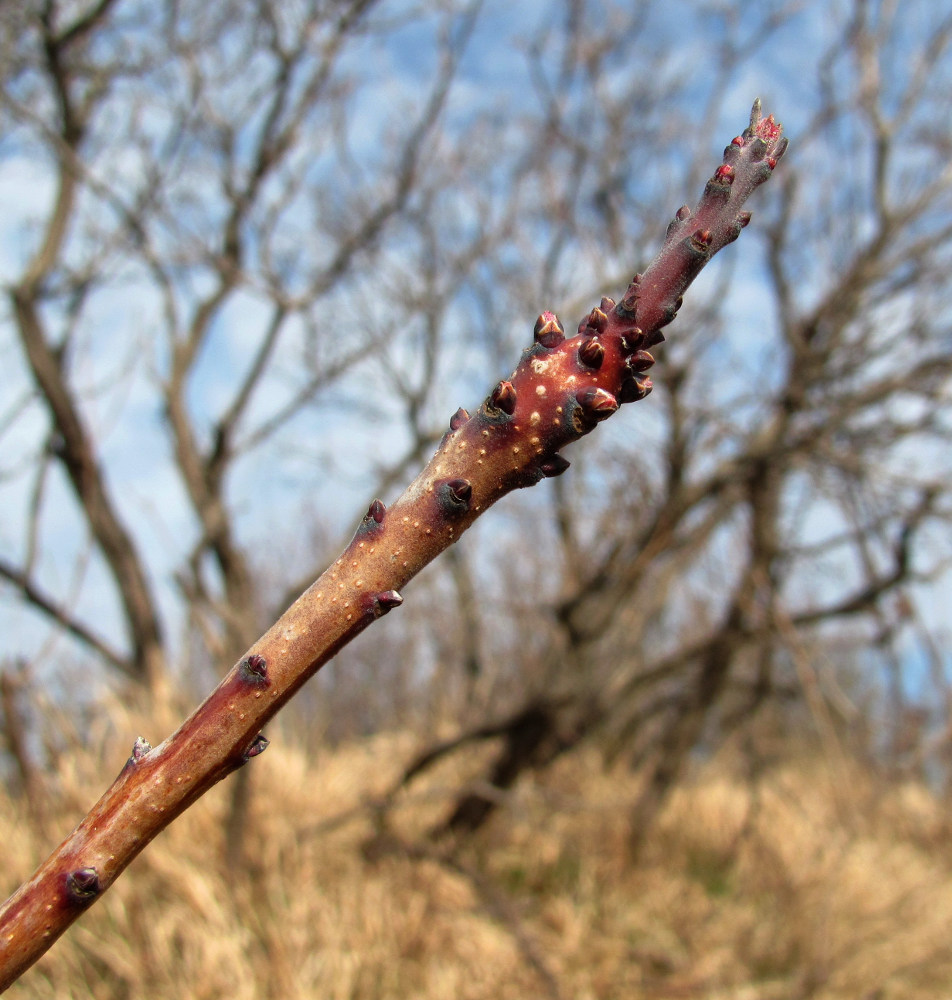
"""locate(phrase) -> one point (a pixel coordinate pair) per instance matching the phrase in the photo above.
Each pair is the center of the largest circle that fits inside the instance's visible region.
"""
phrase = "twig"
(561, 389)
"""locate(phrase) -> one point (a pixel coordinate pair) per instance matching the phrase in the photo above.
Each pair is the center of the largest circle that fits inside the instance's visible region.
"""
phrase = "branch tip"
(755, 112)
(548, 331)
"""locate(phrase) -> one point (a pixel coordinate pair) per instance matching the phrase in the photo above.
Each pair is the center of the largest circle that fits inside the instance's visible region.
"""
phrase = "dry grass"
(807, 884)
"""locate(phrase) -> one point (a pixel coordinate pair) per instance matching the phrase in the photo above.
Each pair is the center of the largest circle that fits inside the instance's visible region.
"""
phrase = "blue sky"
(324, 462)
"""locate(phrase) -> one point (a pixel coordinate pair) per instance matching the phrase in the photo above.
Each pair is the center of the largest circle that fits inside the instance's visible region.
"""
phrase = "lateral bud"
(700, 241)
(376, 512)
(591, 353)
(553, 466)
(640, 361)
(258, 746)
(548, 331)
(724, 174)
(140, 748)
(778, 152)
(596, 321)
(458, 419)
(384, 602)
(632, 341)
(597, 403)
(733, 232)
(254, 669)
(634, 388)
(82, 886)
(668, 314)
(455, 495)
(627, 307)
(503, 398)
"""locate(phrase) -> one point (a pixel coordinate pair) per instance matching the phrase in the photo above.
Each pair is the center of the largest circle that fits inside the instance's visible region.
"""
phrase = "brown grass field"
(816, 879)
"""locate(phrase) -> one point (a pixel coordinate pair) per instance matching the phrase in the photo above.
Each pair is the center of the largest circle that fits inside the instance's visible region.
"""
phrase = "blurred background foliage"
(253, 256)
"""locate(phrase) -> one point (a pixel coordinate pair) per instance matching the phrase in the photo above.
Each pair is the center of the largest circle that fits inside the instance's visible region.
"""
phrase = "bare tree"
(260, 226)
(175, 140)
(797, 492)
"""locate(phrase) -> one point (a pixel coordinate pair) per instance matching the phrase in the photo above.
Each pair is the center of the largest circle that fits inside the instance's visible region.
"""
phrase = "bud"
(591, 353)
(548, 331)
(597, 403)
(503, 398)
(553, 466)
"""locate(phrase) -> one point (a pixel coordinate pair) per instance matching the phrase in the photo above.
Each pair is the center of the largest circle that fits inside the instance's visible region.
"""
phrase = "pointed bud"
(384, 602)
(607, 304)
(668, 314)
(260, 744)
(254, 669)
(640, 361)
(596, 320)
(755, 112)
(597, 403)
(140, 749)
(376, 511)
(458, 419)
(591, 353)
(503, 398)
(743, 218)
(454, 496)
(82, 886)
(460, 489)
(633, 389)
(548, 331)
(553, 466)
(632, 341)
(627, 307)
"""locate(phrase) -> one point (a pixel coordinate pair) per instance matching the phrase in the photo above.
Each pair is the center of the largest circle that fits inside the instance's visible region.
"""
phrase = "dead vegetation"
(799, 879)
